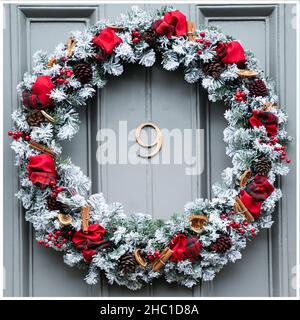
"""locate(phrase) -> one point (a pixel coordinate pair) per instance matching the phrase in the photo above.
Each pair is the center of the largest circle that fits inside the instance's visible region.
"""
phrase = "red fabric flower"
(165, 28)
(107, 40)
(91, 241)
(266, 119)
(221, 49)
(185, 247)
(255, 193)
(231, 52)
(40, 93)
(41, 169)
(173, 23)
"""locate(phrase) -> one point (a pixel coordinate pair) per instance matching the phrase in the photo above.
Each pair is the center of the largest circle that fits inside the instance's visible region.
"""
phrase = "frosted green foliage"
(19, 120)
(43, 134)
(70, 124)
(148, 59)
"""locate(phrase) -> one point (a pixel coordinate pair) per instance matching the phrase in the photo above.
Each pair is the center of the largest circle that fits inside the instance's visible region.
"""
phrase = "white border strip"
(71, 2)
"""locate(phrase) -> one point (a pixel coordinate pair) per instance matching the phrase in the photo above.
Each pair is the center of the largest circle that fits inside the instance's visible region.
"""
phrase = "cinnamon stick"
(37, 146)
(239, 207)
(85, 216)
(244, 178)
(70, 46)
(165, 256)
(191, 30)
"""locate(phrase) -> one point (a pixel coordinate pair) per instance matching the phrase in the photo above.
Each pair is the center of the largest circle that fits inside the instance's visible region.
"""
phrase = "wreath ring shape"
(134, 250)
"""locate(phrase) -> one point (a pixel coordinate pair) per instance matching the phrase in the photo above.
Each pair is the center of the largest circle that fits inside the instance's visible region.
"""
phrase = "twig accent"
(47, 116)
(116, 28)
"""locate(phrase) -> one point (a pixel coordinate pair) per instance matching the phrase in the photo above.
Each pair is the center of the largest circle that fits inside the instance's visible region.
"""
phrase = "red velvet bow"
(106, 40)
(185, 247)
(40, 93)
(255, 193)
(231, 52)
(91, 241)
(266, 119)
(173, 23)
(41, 169)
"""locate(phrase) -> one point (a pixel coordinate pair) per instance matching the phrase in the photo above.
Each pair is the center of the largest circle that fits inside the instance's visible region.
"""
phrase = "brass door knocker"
(157, 142)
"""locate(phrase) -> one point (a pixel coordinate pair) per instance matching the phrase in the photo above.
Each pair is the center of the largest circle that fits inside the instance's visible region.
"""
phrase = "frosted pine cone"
(83, 72)
(262, 166)
(213, 69)
(258, 88)
(127, 263)
(150, 36)
(55, 205)
(35, 118)
(222, 244)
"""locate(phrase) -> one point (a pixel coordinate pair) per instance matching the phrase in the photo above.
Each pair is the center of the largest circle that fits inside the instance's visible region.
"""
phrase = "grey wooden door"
(164, 98)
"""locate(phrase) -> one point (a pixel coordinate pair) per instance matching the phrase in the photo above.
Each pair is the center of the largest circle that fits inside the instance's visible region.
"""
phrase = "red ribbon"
(107, 40)
(91, 241)
(231, 52)
(40, 93)
(265, 119)
(41, 169)
(173, 23)
(255, 193)
(185, 248)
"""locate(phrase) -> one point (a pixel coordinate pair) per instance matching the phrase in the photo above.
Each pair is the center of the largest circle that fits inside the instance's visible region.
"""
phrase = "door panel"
(141, 95)
(237, 23)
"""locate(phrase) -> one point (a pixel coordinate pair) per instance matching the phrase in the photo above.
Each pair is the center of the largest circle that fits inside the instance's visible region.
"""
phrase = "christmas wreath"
(133, 250)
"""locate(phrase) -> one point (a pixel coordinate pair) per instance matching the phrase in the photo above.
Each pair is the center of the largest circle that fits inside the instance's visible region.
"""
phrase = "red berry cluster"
(64, 74)
(55, 188)
(136, 36)
(224, 216)
(63, 59)
(272, 141)
(241, 228)
(57, 239)
(204, 43)
(19, 134)
(240, 96)
(156, 255)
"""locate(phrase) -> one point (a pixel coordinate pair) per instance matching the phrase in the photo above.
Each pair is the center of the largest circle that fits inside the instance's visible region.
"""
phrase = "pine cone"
(150, 36)
(213, 69)
(83, 72)
(35, 118)
(55, 205)
(127, 263)
(222, 244)
(258, 88)
(262, 166)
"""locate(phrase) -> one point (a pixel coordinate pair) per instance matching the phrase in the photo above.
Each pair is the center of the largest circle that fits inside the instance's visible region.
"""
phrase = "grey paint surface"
(163, 97)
